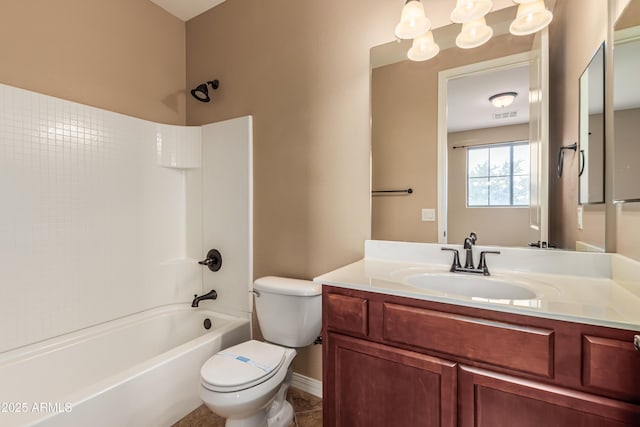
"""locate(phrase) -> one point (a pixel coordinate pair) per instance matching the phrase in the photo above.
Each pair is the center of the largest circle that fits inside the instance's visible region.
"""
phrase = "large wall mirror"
(626, 104)
(488, 150)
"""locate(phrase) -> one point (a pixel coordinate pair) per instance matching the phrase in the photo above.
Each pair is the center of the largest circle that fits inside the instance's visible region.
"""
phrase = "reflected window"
(498, 175)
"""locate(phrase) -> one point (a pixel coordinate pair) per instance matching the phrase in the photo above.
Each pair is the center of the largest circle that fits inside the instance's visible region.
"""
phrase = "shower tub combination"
(140, 370)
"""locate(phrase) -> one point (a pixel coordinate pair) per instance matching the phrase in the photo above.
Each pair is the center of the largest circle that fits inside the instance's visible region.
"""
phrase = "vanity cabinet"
(394, 361)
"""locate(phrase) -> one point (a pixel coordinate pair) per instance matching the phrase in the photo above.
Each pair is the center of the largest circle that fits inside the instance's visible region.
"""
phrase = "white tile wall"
(227, 210)
(91, 227)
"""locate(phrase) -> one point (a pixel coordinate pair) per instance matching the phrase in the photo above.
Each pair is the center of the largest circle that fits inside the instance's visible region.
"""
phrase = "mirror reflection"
(488, 155)
(626, 103)
(488, 159)
(591, 136)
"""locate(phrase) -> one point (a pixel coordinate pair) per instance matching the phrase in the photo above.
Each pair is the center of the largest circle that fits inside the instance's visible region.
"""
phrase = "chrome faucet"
(468, 247)
(212, 294)
(468, 262)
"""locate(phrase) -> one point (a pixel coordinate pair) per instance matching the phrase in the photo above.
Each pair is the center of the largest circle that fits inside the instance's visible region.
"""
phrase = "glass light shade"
(423, 48)
(532, 16)
(413, 22)
(474, 34)
(470, 10)
(501, 100)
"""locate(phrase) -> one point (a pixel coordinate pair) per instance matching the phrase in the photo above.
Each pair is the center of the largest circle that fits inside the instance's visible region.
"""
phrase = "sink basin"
(471, 286)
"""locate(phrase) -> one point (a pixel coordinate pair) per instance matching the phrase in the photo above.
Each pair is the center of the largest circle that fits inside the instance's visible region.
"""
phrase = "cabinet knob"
(636, 342)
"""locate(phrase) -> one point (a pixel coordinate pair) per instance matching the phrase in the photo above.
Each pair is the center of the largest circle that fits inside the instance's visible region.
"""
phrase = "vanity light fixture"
(503, 99)
(201, 92)
(474, 33)
(413, 22)
(423, 48)
(470, 10)
(532, 16)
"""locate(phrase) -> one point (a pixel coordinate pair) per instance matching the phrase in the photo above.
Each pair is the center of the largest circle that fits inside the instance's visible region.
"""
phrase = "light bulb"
(470, 10)
(501, 100)
(473, 34)
(532, 16)
(423, 48)
(413, 21)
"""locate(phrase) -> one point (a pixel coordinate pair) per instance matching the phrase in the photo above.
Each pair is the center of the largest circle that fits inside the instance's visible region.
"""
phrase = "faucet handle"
(456, 259)
(474, 237)
(482, 265)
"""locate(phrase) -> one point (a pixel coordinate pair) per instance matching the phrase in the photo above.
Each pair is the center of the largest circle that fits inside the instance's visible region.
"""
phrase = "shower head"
(201, 92)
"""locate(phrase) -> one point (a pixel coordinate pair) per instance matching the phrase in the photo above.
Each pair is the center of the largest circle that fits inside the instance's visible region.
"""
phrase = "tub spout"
(212, 294)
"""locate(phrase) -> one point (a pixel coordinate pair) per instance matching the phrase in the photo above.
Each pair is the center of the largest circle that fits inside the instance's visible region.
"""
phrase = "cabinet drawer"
(611, 365)
(521, 348)
(348, 314)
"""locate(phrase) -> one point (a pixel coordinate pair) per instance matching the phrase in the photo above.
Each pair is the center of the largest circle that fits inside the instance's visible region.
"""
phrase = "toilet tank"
(289, 310)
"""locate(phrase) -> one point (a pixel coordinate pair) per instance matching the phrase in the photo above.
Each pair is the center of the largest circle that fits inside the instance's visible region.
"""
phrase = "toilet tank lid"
(287, 286)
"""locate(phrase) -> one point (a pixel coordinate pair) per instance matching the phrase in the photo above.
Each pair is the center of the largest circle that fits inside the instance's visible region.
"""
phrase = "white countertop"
(597, 289)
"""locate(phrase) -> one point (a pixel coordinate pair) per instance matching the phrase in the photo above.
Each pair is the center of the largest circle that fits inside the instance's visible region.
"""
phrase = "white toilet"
(247, 383)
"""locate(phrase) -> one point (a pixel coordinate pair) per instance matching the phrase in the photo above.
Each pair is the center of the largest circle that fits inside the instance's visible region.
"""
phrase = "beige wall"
(595, 170)
(512, 229)
(404, 136)
(572, 43)
(126, 56)
(593, 226)
(628, 214)
(627, 154)
(626, 184)
(302, 70)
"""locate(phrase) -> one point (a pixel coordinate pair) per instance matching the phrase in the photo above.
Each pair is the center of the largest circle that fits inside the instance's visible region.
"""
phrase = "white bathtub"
(141, 370)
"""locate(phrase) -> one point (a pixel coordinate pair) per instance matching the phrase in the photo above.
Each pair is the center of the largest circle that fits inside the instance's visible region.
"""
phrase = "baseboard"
(307, 384)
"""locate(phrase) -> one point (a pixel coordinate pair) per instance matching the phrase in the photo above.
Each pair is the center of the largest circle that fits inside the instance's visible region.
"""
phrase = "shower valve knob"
(213, 260)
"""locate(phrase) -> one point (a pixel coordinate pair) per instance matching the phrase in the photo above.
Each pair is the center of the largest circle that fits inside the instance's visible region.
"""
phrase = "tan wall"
(404, 136)
(629, 230)
(628, 214)
(596, 158)
(302, 70)
(627, 154)
(572, 43)
(593, 226)
(626, 185)
(126, 56)
(512, 228)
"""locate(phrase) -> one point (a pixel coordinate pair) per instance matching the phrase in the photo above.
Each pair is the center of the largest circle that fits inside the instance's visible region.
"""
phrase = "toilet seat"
(242, 366)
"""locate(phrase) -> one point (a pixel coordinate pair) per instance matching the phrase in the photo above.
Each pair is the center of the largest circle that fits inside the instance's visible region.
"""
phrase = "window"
(498, 175)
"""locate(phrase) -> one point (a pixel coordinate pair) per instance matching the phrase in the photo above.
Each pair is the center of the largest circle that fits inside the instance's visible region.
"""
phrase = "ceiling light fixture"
(532, 16)
(473, 34)
(470, 10)
(413, 22)
(503, 99)
(423, 48)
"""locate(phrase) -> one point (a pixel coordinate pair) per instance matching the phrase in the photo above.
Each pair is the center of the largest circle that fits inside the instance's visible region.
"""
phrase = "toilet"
(247, 384)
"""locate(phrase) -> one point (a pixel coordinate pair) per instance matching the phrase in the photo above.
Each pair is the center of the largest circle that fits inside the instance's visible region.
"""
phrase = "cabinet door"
(487, 399)
(368, 384)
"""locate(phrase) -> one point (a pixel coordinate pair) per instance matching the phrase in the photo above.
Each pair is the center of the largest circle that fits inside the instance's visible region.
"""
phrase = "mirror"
(591, 132)
(626, 105)
(405, 138)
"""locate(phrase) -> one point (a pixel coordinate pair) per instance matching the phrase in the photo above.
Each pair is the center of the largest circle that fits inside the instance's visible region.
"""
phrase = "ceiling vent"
(505, 115)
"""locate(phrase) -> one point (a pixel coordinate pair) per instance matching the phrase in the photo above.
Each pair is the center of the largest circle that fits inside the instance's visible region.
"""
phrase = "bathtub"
(140, 370)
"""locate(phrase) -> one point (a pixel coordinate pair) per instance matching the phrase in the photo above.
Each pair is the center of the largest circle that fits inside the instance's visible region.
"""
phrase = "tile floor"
(308, 413)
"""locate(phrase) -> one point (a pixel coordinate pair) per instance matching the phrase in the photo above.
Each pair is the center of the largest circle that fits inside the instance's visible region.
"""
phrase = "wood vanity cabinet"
(392, 361)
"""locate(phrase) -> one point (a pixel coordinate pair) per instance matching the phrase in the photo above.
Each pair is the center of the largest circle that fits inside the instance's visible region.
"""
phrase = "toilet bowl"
(247, 383)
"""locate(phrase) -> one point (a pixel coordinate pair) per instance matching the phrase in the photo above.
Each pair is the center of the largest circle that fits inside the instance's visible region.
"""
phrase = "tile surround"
(102, 217)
